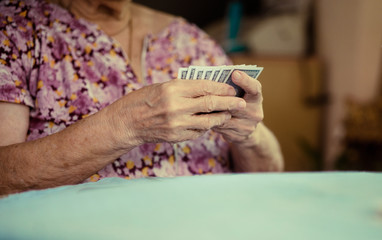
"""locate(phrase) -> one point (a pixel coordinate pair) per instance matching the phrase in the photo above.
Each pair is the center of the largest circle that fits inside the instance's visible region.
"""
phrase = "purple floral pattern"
(66, 69)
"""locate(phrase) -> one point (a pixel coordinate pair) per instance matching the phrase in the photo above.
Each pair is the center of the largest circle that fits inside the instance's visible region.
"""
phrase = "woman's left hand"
(241, 128)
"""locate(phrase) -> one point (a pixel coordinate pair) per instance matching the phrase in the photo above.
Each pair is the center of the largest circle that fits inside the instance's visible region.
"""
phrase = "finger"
(198, 88)
(190, 134)
(236, 127)
(253, 112)
(208, 121)
(248, 84)
(211, 103)
(228, 131)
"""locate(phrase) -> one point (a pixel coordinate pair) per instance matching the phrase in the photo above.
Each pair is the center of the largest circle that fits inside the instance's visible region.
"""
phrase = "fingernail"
(237, 75)
(242, 104)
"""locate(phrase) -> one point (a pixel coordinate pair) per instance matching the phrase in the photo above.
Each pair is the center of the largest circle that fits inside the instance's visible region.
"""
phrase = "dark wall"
(200, 12)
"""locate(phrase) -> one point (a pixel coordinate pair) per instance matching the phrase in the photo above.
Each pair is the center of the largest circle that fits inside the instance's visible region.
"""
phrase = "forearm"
(260, 153)
(67, 157)
(148, 115)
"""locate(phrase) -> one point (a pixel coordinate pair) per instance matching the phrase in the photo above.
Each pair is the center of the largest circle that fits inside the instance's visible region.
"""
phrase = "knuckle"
(205, 124)
(169, 107)
(208, 87)
(259, 116)
(209, 103)
(219, 121)
(172, 125)
(208, 123)
(256, 116)
(259, 88)
(215, 120)
(231, 105)
(168, 88)
(261, 99)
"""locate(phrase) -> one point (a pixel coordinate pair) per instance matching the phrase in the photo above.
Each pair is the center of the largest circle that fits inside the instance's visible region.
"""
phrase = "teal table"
(294, 206)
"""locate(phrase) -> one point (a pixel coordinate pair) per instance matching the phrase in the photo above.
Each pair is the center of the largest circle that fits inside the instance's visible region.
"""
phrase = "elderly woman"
(89, 89)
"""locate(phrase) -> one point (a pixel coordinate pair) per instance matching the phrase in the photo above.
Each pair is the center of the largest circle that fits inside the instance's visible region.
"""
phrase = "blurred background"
(322, 73)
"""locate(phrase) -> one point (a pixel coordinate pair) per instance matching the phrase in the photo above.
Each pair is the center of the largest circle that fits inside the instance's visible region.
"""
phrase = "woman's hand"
(241, 128)
(172, 111)
(253, 146)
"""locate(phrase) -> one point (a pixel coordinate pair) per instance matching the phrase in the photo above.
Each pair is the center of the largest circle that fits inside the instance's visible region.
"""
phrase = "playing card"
(191, 72)
(251, 71)
(221, 74)
(182, 73)
(224, 74)
(208, 73)
(215, 74)
(199, 73)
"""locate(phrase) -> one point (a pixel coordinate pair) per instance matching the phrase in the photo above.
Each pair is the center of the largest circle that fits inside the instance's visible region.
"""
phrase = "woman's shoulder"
(28, 13)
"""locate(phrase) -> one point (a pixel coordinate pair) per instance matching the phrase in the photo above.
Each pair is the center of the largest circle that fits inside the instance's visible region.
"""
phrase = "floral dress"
(65, 69)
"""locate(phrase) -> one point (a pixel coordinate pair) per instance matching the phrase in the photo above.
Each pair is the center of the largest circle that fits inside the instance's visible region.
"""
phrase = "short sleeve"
(16, 55)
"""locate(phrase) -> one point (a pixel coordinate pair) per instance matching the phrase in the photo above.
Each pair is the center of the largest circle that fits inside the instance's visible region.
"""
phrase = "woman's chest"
(80, 74)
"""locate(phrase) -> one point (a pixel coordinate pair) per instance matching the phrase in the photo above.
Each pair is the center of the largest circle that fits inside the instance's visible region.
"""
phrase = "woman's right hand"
(167, 112)
(171, 112)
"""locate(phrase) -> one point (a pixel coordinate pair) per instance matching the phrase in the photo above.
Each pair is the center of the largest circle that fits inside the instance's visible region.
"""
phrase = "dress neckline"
(146, 41)
(95, 28)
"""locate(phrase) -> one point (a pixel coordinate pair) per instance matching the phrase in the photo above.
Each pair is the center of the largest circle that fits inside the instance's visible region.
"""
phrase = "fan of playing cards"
(221, 74)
